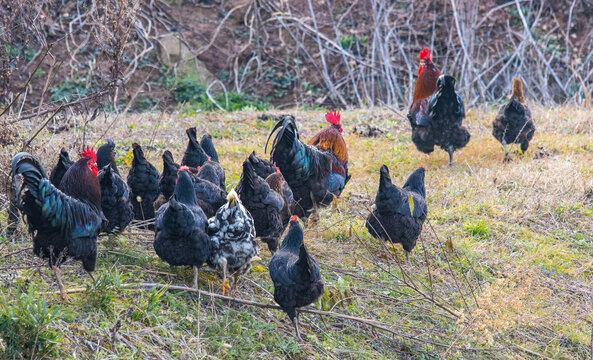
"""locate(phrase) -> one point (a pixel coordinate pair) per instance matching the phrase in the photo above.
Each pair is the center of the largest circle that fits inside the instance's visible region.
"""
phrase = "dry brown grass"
(517, 284)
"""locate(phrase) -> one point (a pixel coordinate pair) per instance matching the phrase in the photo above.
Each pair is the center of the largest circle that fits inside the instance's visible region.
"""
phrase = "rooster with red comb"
(317, 172)
(64, 222)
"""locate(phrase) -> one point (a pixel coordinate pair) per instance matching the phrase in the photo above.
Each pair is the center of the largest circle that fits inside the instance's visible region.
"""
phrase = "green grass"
(501, 270)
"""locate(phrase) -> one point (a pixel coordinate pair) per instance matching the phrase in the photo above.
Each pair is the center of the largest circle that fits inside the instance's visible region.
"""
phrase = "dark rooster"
(166, 180)
(194, 155)
(180, 237)
(232, 237)
(65, 222)
(208, 147)
(513, 123)
(399, 213)
(441, 124)
(115, 200)
(271, 173)
(106, 156)
(57, 173)
(317, 173)
(264, 204)
(296, 276)
(143, 180)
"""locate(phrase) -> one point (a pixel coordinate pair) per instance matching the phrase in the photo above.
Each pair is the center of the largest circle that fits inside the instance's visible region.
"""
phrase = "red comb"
(209, 158)
(278, 170)
(198, 168)
(333, 118)
(239, 197)
(294, 218)
(425, 54)
(89, 152)
(183, 168)
(422, 166)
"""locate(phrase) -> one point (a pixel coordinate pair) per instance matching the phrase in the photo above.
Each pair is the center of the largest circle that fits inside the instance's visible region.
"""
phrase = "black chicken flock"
(196, 222)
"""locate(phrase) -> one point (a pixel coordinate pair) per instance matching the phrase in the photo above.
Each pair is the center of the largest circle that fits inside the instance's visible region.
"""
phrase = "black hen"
(232, 235)
(115, 200)
(143, 180)
(106, 155)
(180, 237)
(513, 123)
(166, 180)
(65, 222)
(392, 218)
(267, 170)
(264, 204)
(439, 121)
(296, 276)
(194, 155)
(57, 173)
(213, 172)
(208, 146)
(210, 196)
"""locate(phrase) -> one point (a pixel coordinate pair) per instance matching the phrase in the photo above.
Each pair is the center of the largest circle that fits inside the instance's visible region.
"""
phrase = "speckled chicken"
(264, 204)
(296, 275)
(232, 236)
(115, 200)
(143, 180)
(57, 173)
(180, 237)
(513, 123)
(392, 218)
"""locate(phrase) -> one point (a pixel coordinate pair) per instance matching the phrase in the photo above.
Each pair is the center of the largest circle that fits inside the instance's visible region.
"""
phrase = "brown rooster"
(426, 84)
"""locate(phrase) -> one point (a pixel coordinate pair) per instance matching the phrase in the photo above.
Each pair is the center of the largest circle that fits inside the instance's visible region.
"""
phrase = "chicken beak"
(256, 258)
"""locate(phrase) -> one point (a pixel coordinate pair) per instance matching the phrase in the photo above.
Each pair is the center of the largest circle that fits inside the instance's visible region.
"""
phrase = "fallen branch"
(372, 323)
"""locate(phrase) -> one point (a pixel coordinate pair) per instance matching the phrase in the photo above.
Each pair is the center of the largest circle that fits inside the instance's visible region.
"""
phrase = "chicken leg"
(450, 151)
(235, 281)
(295, 321)
(504, 146)
(196, 270)
(58, 274)
(226, 286)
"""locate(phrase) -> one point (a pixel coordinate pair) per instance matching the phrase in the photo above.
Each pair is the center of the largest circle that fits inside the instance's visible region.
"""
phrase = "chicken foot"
(295, 321)
(58, 274)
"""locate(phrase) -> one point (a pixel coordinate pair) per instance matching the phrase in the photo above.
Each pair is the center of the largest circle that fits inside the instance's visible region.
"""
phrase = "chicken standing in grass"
(106, 155)
(232, 236)
(143, 180)
(264, 204)
(65, 222)
(166, 180)
(399, 213)
(440, 123)
(208, 146)
(180, 237)
(317, 172)
(513, 123)
(115, 200)
(194, 155)
(273, 176)
(57, 173)
(296, 276)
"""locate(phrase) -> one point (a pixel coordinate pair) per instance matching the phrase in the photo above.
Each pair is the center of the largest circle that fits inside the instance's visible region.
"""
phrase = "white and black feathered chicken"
(232, 237)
